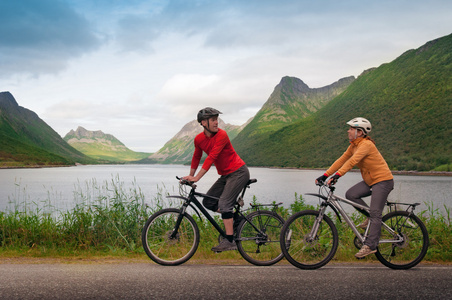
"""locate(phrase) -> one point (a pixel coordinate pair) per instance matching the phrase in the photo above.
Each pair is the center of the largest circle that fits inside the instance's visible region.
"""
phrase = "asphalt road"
(151, 281)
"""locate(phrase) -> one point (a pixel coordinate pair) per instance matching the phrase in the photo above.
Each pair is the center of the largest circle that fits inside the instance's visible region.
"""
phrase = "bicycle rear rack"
(393, 206)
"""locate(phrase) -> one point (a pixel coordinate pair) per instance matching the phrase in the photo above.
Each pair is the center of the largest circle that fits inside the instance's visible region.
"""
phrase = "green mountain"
(408, 101)
(179, 149)
(290, 101)
(99, 145)
(26, 140)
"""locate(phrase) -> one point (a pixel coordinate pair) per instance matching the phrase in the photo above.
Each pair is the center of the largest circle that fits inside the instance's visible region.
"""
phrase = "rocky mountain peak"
(7, 101)
(84, 133)
(292, 99)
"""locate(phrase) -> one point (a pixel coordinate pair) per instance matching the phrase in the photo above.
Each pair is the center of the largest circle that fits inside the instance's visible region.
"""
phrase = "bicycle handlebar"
(323, 183)
(185, 182)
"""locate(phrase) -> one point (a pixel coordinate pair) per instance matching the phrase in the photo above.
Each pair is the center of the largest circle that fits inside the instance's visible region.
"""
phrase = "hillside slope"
(408, 101)
(99, 145)
(27, 140)
(290, 101)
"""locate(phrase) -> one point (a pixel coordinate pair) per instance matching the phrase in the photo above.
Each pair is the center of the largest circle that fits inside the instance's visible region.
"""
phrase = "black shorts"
(227, 188)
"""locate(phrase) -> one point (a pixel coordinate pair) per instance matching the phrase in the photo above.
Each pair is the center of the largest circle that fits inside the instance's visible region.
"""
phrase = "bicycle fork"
(315, 227)
(178, 222)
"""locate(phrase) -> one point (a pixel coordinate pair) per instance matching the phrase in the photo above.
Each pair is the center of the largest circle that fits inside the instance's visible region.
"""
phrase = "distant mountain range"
(408, 101)
(26, 140)
(101, 146)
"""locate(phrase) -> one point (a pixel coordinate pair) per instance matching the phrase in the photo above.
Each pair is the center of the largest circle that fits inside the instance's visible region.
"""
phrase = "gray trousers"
(227, 188)
(379, 192)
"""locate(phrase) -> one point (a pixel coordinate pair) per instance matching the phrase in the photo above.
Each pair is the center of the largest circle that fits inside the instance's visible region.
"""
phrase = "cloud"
(41, 36)
(141, 69)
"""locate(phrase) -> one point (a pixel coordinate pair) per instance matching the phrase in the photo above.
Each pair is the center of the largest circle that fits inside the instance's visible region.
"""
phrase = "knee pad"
(227, 215)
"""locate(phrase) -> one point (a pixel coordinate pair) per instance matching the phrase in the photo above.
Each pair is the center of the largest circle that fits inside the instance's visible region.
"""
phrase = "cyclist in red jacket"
(233, 172)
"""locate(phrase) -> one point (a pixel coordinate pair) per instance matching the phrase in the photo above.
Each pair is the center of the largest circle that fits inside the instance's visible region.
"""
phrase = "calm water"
(57, 185)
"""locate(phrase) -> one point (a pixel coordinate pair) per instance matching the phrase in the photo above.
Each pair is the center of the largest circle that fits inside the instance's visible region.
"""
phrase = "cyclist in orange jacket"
(233, 172)
(377, 179)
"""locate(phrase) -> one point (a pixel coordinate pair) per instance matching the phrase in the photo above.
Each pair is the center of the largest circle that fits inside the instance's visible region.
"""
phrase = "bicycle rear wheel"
(261, 247)
(303, 250)
(411, 251)
(164, 249)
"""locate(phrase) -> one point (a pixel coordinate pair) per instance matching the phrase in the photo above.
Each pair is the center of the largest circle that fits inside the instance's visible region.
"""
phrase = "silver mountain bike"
(309, 239)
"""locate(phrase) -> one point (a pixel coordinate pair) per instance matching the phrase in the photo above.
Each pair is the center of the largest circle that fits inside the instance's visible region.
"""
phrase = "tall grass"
(108, 218)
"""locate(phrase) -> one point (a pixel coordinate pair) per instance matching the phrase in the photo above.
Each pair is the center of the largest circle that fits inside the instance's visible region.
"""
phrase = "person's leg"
(356, 192)
(380, 192)
(235, 182)
(216, 190)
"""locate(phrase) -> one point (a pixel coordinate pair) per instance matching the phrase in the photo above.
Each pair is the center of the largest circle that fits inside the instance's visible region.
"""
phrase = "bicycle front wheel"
(304, 248)
(259, 244)
(162, 246)
(413, 247)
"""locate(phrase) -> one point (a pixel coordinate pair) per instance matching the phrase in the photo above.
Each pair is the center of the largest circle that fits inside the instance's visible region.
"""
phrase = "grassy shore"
(107, 219)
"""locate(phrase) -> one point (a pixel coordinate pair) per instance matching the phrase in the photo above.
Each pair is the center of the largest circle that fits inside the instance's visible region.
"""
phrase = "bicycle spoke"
(260, 247)
(306, 251)
(159, 244)
(413, 244)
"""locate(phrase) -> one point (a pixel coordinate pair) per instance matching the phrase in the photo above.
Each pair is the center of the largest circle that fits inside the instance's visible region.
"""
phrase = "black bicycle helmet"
(207, 113)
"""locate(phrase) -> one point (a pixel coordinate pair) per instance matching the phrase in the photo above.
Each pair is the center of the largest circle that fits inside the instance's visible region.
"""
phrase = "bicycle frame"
(192, 199)
(334, 202)
(188, 202)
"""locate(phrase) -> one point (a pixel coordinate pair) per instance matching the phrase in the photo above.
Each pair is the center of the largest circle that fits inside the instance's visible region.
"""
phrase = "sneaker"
(225, 245)
(364, 224)
(365, 250)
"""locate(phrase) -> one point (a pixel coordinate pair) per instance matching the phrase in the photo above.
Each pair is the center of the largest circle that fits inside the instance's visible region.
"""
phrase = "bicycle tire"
(302, 251)
(160, 247)
(260, 249)
(409, 253)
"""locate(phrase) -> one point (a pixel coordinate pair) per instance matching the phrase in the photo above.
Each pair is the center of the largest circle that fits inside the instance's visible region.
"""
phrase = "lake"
(57, 185)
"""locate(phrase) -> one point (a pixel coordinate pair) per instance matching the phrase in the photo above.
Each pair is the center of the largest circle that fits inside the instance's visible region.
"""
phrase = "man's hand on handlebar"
(189, 178)
(186, 180)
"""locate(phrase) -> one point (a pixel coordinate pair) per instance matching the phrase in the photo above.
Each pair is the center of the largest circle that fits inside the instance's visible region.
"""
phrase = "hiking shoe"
(364, 224)
(365, 250)
(225, 245)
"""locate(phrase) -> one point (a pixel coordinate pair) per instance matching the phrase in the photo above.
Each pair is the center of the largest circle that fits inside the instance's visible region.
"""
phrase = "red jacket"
(219, 152)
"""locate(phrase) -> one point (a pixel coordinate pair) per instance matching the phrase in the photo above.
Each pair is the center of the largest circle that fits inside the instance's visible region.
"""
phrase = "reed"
(108, 217)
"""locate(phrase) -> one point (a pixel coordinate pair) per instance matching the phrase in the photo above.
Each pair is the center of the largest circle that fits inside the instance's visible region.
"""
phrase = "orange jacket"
(363, 153)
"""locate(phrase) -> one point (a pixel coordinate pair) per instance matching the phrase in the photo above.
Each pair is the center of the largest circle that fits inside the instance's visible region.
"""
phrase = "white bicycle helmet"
(361, 123)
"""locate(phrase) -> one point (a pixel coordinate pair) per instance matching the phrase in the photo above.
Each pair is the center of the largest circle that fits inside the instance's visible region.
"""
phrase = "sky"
(140, 70)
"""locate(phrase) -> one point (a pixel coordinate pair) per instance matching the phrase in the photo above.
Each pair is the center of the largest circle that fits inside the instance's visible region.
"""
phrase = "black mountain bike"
(171, 236)
(311, 239)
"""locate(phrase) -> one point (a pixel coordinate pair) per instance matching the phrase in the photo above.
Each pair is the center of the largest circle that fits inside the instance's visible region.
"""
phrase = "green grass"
(108, 218)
